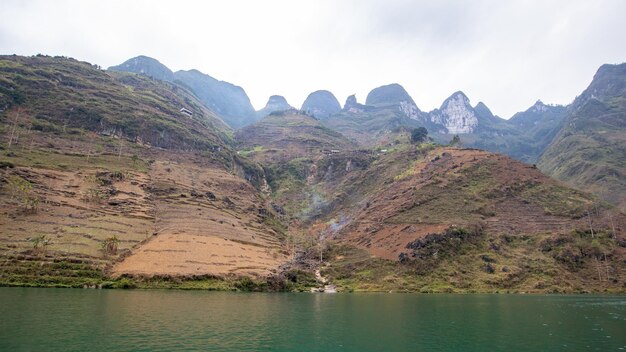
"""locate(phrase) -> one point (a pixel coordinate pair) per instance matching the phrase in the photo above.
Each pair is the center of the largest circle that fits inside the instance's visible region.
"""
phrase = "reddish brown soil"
(384, 229)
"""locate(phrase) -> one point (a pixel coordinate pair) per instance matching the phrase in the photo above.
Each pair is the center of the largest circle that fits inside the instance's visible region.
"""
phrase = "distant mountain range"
(386, 108)
(557, 138)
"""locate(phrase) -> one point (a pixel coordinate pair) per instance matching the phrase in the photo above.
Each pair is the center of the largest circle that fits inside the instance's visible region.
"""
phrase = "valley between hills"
(140, 177)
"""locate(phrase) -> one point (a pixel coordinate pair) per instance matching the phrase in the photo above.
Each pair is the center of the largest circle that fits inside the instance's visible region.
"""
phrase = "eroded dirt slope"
(208, 221)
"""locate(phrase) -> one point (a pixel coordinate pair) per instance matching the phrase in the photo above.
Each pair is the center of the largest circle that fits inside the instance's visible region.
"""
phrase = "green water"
(115, 320)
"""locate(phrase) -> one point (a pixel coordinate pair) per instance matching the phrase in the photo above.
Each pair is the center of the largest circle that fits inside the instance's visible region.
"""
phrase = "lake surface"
(115, 320)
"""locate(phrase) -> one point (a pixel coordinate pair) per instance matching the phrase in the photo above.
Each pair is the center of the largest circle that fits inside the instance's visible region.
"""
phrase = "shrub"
(419, 135)
(22, 191)
(109, 245)
(40, 244)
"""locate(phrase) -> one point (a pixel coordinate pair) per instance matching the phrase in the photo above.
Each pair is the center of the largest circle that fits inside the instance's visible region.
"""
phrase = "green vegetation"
(465, 263)
(419, 135)
(590, 150)
(40, 244)
(22, 191)
(110, 244)
(58, 95)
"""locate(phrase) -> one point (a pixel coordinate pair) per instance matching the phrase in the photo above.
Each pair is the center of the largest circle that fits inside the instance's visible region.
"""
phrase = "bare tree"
(590, 224)
(15, 117)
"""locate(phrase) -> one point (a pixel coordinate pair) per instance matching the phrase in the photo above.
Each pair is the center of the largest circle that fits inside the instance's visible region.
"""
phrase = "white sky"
(507, 54)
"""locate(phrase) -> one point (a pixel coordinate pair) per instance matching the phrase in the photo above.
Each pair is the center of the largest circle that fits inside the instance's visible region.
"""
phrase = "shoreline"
(245, 285)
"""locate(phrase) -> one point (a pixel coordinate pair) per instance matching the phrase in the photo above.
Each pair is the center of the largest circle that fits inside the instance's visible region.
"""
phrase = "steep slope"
(229, 101)
(589, 152)
(321, 104)
(276, 103)
(289, 146)
(62, 94)
(102, 176)
(456, 115)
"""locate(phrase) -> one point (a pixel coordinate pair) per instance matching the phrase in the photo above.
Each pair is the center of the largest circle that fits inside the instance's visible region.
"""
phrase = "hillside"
(104, 178)
(461, 220)
(60, 95)
(589, 152)
(286, 135)
(288, 145)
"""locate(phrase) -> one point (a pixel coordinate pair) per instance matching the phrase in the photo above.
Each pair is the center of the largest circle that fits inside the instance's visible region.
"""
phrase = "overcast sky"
(507, 54)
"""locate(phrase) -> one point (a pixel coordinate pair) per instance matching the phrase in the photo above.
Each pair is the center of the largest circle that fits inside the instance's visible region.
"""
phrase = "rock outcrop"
(456, 115)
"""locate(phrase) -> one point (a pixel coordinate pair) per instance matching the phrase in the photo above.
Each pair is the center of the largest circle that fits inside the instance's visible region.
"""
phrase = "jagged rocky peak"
(350, 101)
(352, 105)
(539, 107)
(393, 94)
(146, 66)
(321, 104)
(456, 114)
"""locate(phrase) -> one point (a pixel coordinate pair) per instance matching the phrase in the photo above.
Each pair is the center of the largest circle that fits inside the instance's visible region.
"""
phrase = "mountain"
(116, 179)
(146, 66)
(388, 111)
(275, 103)
(390, 94)
(229, 101)
(321, 104)
(523, 137)
(589, 150)
(393, 95)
